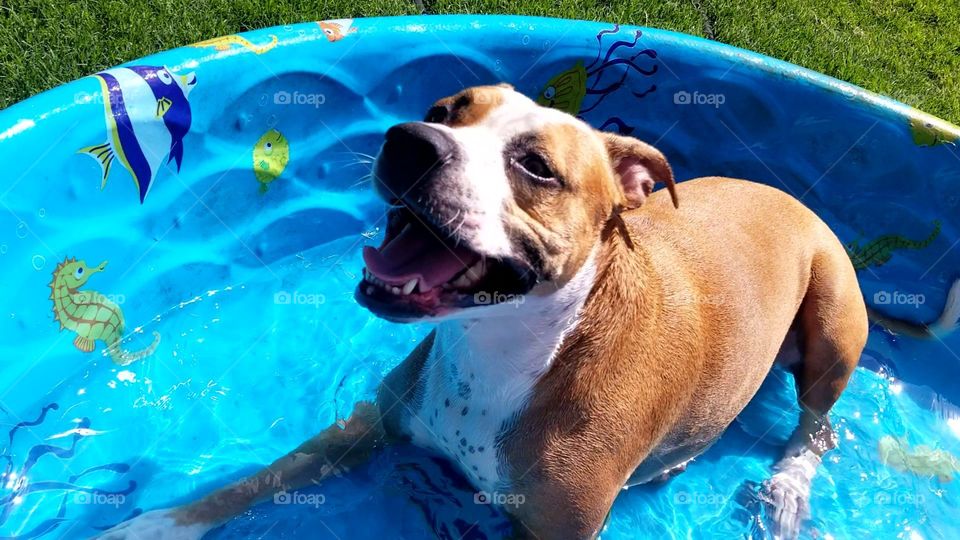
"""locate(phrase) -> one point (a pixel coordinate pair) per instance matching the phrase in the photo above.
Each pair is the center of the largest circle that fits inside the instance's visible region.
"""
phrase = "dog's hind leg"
(832, 325)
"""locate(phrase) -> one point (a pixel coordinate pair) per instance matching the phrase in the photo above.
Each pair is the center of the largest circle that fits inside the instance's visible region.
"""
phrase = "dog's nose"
(410, 153)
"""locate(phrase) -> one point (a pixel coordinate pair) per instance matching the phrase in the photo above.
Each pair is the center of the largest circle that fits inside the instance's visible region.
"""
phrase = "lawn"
(907, 49)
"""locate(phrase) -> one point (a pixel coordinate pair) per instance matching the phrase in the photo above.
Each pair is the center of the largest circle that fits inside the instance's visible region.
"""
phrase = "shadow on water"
(413, 493)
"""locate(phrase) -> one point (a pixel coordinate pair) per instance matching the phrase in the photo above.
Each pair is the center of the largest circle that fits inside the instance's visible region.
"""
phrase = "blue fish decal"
(148, 116)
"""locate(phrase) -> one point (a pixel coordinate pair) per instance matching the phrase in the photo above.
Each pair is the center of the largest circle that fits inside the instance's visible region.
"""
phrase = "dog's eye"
(534, 165)
(436, 115)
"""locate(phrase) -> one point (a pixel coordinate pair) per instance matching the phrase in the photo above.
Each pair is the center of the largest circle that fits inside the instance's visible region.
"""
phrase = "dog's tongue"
(417, 253)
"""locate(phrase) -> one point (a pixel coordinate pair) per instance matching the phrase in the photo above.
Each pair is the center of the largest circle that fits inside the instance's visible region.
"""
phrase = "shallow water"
(240, 377)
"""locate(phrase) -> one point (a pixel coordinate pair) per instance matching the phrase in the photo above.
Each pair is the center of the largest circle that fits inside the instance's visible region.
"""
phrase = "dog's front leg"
(333, 451)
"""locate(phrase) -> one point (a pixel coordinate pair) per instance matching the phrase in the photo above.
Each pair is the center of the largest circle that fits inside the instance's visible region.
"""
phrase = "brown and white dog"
(590, 333)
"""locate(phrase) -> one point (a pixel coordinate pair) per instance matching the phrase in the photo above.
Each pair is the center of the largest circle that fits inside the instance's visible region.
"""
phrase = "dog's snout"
(410, 153)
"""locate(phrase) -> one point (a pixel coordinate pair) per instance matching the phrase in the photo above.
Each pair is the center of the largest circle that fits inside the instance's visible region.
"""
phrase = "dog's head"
(494, 196)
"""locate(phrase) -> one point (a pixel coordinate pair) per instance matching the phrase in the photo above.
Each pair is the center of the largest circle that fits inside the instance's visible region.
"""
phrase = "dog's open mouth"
(422, 270)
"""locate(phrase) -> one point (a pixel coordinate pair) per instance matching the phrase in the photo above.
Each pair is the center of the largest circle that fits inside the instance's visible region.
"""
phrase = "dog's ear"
(638, 166)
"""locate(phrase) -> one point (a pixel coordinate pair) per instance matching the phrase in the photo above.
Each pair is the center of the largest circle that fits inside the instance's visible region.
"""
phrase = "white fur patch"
(484, 174)
(481, 372)
(947, 322)
(787, 493)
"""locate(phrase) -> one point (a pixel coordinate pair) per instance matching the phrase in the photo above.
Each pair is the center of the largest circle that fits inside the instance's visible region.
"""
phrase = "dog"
(590, 333)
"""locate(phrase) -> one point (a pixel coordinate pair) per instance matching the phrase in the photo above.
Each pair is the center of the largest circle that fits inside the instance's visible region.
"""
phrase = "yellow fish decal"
(270, 157)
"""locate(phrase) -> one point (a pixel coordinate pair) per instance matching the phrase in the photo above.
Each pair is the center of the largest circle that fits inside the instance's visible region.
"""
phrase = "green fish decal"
(270, 157)
(930, 131)
(922, 460)
(878, 251)
(566, 90)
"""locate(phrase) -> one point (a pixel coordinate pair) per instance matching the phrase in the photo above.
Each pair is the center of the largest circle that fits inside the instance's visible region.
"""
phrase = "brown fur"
(677, 335)
(471, 105)
(559, 222)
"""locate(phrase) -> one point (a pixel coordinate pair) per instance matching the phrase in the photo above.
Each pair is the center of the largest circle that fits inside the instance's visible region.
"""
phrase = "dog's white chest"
(463, 413)
(481, 373)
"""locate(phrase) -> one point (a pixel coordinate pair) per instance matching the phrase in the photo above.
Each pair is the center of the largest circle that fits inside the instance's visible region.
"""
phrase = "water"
(241, 377)
(262, 344)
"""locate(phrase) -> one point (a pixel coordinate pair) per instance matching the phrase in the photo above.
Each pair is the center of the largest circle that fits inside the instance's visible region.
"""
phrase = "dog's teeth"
(369, 289)
(395, 290)
(462, 281)
(408, 288)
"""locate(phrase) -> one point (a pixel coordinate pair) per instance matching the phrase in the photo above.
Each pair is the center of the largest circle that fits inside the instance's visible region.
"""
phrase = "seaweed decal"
(17, 482)
(583, 88)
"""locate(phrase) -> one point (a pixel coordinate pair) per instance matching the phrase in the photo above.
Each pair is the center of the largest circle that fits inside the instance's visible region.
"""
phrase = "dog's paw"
(155, 525)
(786, 494)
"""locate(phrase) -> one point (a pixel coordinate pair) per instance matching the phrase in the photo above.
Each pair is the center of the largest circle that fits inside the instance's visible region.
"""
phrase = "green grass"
(907, 49)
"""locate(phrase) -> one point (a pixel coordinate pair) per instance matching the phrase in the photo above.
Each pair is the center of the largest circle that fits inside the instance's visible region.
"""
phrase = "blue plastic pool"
(232, 227)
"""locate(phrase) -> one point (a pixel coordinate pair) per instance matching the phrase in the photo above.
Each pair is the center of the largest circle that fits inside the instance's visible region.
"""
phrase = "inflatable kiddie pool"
(213, 201)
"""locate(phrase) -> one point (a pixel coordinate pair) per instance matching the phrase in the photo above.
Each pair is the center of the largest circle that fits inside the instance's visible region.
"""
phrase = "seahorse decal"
(878, 251)
(90, 314)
